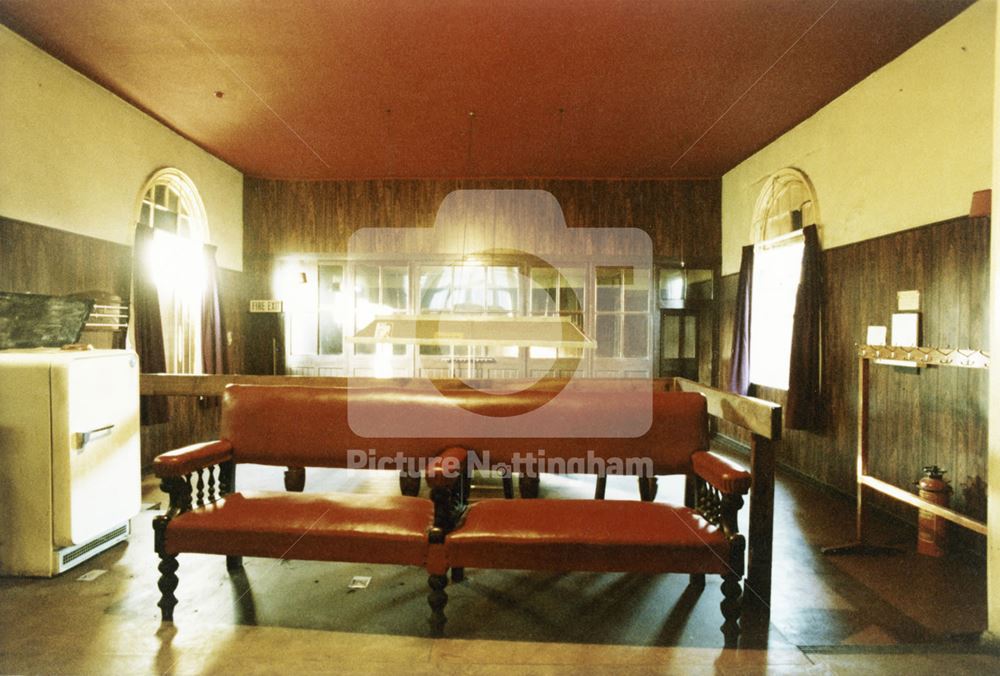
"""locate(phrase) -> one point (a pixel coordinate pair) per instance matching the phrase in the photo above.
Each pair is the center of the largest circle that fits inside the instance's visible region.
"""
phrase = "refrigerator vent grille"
(68, 556)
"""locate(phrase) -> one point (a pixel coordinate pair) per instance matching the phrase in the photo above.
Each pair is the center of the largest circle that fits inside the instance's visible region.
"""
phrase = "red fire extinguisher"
(932, 531)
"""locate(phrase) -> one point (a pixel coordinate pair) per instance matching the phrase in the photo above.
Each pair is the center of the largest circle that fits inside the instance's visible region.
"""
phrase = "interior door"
(679, 344)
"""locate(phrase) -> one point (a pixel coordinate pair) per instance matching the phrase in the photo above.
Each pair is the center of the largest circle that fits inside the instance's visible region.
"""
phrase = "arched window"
(787, 203)
(170, 204)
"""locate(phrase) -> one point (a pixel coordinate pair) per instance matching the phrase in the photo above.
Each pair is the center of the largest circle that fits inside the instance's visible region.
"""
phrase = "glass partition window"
(469, 289)
(332, 309)
(557, 293)
(379, 290)
(622, 312)
(296, 284)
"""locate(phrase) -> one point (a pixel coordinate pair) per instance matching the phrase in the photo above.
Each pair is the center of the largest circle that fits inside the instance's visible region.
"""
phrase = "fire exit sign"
(265, 306)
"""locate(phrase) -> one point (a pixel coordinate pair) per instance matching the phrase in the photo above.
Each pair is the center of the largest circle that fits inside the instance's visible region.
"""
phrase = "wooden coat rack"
(920, 357)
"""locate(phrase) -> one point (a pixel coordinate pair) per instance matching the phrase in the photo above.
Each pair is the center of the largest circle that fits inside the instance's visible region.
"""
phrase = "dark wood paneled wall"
(682, 217)
(938, 416)
(37, 259)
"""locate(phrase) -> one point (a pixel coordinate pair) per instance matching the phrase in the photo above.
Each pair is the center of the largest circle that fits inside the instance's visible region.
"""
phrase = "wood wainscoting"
(938, 416)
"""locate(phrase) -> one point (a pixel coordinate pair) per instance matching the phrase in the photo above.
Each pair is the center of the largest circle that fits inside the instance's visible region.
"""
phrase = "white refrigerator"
(70, 477)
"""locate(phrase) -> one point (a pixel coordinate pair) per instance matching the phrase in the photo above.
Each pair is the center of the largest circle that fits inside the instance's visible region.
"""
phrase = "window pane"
(331, 332)
(637, 291)
(609, 282)
(396, 288)
(435, 289)
(144, 214)
(303, 329)
(607, 336)
(469, 289)
(636, 336)
(332, 309)
(165, 220)
(536, 352)
(544, 290)
(690, 337)
(571, 291)
(543, 301)
(570, 299)
(502, 296)
(365, 285)
(775, 282)
(670, 337)
(172, 201)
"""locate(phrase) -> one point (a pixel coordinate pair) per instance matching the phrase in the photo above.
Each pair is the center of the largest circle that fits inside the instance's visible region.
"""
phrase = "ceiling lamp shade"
(457, 331)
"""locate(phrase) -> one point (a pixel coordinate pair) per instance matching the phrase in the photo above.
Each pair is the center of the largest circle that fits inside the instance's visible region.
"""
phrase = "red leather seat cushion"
(587, 535)
(321, 527)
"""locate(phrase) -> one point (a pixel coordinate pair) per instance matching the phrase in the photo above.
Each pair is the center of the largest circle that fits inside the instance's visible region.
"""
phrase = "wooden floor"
(903, 614)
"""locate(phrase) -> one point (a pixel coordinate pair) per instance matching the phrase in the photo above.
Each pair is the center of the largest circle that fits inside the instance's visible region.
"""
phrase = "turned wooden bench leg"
(234, 563)
(167, 584)
(647, 488)
(457, 575)
(732, 592)
(528, 486)
(601, 487)
(168, 569)
(295, 479)
(508, 486)
(409, 485)
(437, 599)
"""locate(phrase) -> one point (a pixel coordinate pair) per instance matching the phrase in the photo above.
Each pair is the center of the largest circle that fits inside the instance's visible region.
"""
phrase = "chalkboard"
(36, 320)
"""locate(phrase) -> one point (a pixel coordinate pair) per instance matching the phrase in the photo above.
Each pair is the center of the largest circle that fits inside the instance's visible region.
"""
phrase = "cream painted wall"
(74, 156)
(905, 147)
(992, 635)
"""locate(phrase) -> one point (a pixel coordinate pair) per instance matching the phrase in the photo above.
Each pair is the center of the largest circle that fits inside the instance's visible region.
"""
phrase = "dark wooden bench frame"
(761, 419)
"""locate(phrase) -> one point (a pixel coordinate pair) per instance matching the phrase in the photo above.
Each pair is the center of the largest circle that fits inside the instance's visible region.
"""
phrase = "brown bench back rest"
(309, 426)
(678, 428)
(302, 426)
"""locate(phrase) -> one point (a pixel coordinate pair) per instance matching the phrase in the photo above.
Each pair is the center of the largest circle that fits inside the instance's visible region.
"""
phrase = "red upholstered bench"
(297, 426)
(698, 538)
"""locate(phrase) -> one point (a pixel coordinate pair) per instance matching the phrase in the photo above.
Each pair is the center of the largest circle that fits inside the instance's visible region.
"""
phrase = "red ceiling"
(324, 89)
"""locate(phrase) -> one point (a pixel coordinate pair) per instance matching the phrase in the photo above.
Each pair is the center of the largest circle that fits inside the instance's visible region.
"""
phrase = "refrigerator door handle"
(83, 438)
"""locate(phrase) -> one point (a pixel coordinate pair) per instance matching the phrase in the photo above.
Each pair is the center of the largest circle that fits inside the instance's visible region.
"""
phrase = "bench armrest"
(726, 476)
(191, 458)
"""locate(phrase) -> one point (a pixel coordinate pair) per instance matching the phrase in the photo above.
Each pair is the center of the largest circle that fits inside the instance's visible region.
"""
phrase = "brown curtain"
(214, 356)
(804, 408)
(739, 365)
(146, 323)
